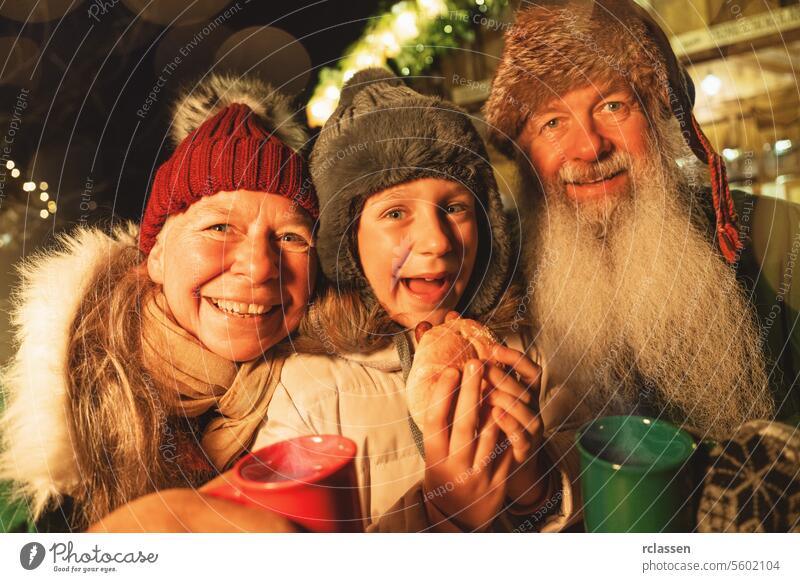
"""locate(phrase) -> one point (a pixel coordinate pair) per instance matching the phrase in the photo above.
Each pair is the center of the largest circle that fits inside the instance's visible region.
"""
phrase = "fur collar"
(35, 426)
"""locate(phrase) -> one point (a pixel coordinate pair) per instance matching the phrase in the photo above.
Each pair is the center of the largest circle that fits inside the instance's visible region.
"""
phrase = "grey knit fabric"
(383, 134)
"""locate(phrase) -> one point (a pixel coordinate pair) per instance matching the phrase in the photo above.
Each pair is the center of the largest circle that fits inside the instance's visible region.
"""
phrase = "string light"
(43, 186)
(29, 186)
(405, 26)
(51, 206)
(43, 214)
(410, 32)
(332, 92)
(432, 8)
(10, 164)
(15, 173)
(391, 47)
(365, 60)
(44, 196)
(320, 110)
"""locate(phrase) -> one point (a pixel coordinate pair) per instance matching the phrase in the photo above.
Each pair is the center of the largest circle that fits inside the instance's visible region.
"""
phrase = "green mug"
(636, 475)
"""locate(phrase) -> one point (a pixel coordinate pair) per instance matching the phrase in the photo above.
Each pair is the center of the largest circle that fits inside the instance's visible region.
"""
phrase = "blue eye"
(454, 208)
(293, 242)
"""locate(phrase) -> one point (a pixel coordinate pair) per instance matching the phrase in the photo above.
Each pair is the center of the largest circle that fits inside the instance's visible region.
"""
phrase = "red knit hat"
(230, 151)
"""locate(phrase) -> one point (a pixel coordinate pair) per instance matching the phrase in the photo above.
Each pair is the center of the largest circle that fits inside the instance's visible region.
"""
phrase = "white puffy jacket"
(363, 398)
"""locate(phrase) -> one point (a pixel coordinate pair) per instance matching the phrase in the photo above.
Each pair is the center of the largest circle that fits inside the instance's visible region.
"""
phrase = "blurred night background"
(87, 87)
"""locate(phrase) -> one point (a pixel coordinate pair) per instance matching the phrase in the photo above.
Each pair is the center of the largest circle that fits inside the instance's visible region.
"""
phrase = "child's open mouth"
(241, 309)
(428, 289)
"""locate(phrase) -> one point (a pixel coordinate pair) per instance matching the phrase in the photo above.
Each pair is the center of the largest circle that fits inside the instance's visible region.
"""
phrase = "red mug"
(309, 479)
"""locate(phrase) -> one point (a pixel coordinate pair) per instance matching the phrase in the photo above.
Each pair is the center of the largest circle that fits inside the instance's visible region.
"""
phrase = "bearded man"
(630, 231)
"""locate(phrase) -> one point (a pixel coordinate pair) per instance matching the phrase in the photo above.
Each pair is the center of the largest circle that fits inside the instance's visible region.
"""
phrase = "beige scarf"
(202, 380)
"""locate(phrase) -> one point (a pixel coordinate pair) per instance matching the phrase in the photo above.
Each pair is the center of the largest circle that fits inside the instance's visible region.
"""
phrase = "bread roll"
(450, 344)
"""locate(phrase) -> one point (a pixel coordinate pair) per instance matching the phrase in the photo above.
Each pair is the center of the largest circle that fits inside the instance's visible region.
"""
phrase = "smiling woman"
(155, 345)
(227, 286)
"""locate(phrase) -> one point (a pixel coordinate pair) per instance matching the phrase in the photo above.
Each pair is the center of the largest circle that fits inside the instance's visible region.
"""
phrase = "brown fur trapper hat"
(554, 47)
(383, 134)
(559, 45)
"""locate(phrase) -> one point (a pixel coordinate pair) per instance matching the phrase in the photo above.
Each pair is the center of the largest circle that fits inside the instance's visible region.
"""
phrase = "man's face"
(236, 269)
(581, 144)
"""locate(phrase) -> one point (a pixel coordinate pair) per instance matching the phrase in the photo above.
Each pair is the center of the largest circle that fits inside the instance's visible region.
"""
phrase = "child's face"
(237, 269)
(417, 243)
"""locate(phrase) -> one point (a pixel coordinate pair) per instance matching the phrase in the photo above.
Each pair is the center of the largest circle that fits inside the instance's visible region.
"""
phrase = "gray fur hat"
(383, 134)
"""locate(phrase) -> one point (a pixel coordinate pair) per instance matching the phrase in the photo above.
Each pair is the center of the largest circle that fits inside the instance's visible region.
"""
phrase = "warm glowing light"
(711, 85)
(730, 154)
(432, 8)
(448, 28)
(29, 186)
(390, 45)
(15, 173)
(44, 196)
(782, 146)
(405, 26)
(348, 74)
(43, 186)
(332, 92)
(43, 214)
(365, 60)
(320, 110)
(10, 164)
(51, 206)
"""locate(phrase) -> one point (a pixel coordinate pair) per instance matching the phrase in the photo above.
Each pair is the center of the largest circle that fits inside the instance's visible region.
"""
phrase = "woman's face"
(237, 269)
(417, 243)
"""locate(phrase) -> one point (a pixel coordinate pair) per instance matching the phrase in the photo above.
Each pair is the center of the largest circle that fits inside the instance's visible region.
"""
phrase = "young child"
(148, 364)
(411, 228)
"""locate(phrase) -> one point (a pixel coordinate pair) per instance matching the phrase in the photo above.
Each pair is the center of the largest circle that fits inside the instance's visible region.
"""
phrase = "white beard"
(634, 306)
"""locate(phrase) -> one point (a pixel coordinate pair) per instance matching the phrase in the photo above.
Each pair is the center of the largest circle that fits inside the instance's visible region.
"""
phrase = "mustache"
(582, 172)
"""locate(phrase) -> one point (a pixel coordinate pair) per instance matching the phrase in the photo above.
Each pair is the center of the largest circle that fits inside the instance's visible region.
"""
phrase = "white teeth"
(239, 308)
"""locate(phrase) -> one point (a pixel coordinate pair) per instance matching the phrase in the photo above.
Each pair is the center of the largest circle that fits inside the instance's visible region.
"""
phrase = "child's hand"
(515, 409)
(465, 472)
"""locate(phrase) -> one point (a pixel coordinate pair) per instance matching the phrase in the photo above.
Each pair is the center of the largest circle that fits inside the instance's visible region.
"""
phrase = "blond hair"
(118, 412)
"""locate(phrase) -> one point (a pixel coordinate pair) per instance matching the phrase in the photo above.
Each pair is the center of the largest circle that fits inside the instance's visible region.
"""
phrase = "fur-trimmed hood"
(35, 427)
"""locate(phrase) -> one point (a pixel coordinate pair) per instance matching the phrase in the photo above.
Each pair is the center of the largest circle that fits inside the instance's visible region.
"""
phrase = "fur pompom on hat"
(233, 134)
(273, 109)
(559, 45)
(383, 133)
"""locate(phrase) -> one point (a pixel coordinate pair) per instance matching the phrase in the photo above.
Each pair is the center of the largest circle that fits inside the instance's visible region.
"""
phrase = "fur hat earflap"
(217, 91)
